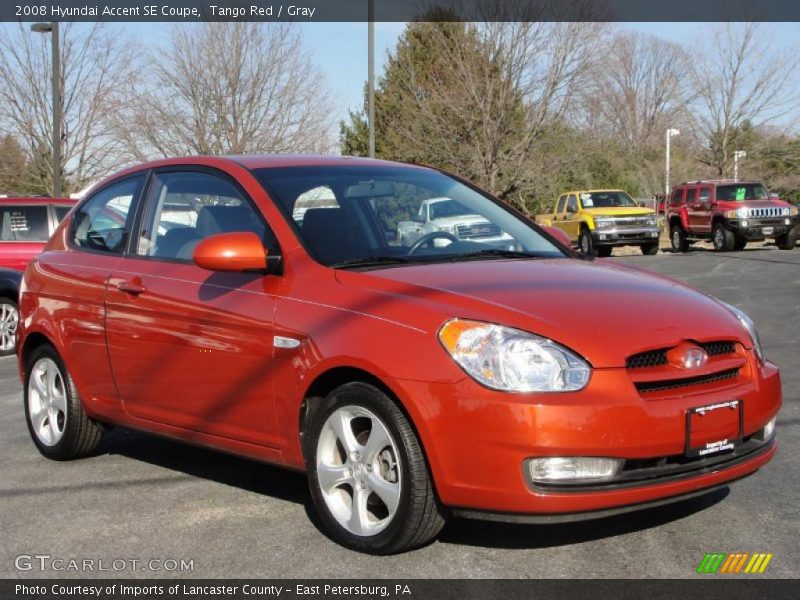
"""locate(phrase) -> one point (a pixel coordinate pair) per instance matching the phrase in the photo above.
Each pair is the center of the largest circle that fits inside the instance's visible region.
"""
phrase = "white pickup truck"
(449, 216)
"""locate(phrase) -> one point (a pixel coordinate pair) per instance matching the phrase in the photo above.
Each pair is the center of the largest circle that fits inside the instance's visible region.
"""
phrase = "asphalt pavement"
(142, 498)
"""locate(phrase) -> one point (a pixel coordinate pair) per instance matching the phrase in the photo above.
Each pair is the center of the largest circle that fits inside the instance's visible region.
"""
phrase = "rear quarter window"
(23, 223)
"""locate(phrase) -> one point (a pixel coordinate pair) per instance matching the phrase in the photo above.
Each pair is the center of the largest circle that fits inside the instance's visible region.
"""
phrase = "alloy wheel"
(9, 319)
(358, 470)
(47, 402)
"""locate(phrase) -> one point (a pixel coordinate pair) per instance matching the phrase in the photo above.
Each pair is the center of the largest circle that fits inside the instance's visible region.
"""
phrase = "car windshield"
(351, 216)
(607, 200)
(739, 192)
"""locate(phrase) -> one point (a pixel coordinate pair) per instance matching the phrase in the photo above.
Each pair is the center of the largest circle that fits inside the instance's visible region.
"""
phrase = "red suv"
(729, 214)
(25, 225)
(410, 380)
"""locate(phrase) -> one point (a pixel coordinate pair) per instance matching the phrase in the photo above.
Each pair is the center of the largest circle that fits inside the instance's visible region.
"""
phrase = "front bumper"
(626, 236)
(478, 440)
(759, 229)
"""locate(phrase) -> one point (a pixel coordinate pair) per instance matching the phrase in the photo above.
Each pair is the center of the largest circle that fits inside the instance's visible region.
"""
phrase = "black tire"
(586, 243)
(81, 435)
(8, 326)
(650, 249)
(677, 237)
(418, 517)
(604, 251)
(739, 243)
(722, 238)
(787, 241)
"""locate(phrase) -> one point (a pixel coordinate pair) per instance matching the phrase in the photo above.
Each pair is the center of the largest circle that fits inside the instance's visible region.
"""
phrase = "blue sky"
(340, 49)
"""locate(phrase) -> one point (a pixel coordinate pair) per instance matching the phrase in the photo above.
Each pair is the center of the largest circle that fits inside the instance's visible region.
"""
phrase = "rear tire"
(56, 420)
(650, 249)
(722, 238)
(787, 241)
(677, 237)
(9, 319)
(360, 447)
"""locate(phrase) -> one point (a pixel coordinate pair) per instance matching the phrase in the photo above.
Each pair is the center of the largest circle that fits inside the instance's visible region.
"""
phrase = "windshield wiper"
(370, 261)
(499, 253)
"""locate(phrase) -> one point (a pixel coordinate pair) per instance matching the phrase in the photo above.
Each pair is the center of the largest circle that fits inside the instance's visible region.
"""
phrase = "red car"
(25, 226)
(449, 376)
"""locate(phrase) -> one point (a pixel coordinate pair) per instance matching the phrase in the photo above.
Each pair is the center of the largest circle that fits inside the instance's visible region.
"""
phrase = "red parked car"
(448, 376)
(25, 225)
(729, 213)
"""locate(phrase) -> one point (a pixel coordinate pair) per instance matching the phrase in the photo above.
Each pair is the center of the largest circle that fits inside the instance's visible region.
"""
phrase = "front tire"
(650, 249)
(787, 241)
(56, 420)
(586, 243)
(740, 243)
(367, 473)
(677, 237)
(9, 319)
(722, 238)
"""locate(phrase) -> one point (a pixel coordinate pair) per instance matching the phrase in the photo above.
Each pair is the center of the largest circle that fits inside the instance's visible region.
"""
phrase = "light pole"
(371, 78)
(736, 156)
(670, 133)
(52, 28)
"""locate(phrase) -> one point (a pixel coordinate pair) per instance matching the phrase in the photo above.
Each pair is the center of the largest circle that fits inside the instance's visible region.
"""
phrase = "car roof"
(719, 182)
(591, 191)
(36, 200)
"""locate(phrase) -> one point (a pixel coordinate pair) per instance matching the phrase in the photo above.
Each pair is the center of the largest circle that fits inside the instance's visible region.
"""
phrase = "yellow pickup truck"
(598, 220)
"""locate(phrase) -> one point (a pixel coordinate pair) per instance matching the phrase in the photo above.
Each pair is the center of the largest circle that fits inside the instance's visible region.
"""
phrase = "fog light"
(769, 429)
(654, 234)
(744, 223)
(787, 221)
(561, 469)
(603, 236)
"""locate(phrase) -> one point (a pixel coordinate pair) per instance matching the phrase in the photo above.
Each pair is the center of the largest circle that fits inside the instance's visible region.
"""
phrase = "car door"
(560, 214)
(699, 209)
(572, 221)
(76, 282)
(189, 347)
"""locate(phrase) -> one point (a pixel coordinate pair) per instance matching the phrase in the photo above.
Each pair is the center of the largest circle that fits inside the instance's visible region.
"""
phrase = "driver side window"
(103, 222)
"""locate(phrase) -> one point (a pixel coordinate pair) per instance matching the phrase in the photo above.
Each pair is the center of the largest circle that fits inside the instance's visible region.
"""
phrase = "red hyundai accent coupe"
(267, 306)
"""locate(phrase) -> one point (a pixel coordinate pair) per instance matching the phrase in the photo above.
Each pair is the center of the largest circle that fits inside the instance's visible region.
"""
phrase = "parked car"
(9, 314)
(409, 382)
(598, 220)
(729, 213)
(25, 226)
(453, 218)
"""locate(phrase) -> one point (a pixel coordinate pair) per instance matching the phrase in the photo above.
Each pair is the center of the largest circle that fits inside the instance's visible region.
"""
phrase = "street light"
(670, 133)
(736, 156)
(52, 28)
(371, 78)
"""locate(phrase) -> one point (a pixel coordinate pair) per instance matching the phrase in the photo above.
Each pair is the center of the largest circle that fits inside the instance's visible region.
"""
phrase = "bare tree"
(229, 88)
(742, 81)
(96, 69)
(638, 89)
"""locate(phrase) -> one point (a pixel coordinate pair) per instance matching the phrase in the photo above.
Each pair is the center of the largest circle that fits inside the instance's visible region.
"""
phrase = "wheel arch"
(330, 379)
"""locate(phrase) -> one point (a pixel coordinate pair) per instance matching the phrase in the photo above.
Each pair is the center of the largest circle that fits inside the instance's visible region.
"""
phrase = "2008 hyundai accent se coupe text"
(266, 306)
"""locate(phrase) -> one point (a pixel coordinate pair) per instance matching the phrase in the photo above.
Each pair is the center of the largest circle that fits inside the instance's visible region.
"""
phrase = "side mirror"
(240, 251)
(559, 235)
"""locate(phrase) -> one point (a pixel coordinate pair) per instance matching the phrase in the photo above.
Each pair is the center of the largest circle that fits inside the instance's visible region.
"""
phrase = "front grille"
(761, 213)
(672, 384)
(657, 358)
(631, 221)
(479, 230)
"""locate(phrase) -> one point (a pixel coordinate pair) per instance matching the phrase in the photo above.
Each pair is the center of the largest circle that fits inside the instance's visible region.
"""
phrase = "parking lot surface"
(143, 498)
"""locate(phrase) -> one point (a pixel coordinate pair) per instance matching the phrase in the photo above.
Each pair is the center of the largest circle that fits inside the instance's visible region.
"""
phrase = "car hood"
(460, 219)
(605, 312)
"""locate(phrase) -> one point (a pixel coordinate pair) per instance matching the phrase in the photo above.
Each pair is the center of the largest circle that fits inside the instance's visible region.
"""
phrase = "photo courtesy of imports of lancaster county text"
(399, 299)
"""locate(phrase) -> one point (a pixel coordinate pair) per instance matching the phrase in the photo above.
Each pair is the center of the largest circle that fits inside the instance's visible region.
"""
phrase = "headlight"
(789, 211)
(450, 229)
(511, 360)
(603, 223)
(651, 221)
(748, 324)
(739, 213)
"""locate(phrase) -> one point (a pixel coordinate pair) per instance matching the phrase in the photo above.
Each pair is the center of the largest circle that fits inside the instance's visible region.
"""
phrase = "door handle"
(130, 287)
